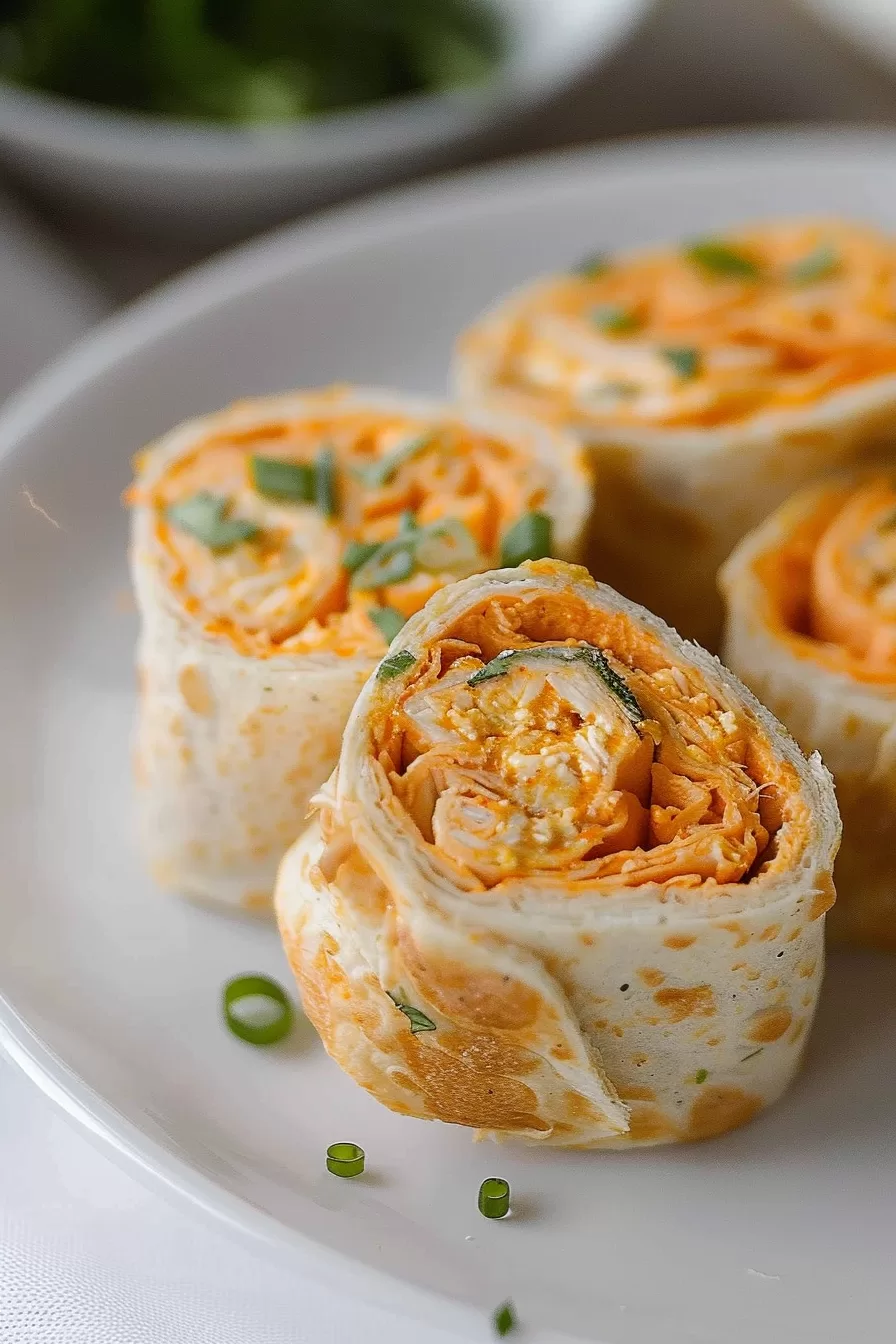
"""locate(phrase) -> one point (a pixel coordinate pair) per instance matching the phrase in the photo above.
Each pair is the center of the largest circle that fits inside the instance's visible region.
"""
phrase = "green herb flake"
(325, 483)
(530, 538)
(394, 665)
(701, 1075)
(592, 657)
(614, 319)
(685, 360)
(277, 478)
(390, 562)
(206, 517)
(504, 1320)
(357, 553)
(598, 263)
(819, 264)
(379, 473)
(718, 259)
(388, 621)
(419, 1021)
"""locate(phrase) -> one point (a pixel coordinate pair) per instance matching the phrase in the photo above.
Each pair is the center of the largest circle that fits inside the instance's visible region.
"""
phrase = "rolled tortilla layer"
(277, 546)
(812, 629)
(568, 879)
(708, 382)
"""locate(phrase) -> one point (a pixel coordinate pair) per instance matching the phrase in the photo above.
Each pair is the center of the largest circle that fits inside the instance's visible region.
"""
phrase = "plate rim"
(197, 291)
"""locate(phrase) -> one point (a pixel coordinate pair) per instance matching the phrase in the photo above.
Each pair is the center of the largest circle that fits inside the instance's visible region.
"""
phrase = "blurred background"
(239, 123)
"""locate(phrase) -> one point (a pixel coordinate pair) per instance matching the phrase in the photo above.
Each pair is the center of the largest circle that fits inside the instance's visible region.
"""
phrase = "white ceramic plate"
(783, 1232)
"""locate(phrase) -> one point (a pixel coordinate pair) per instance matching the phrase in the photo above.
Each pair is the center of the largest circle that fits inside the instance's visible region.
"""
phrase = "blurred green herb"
(247, 61)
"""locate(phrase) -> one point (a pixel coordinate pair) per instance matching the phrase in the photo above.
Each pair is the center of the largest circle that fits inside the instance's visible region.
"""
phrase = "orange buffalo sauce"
(705, 334)
(286, 588)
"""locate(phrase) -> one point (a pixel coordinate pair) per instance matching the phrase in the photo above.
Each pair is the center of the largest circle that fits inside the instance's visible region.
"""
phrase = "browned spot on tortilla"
(479, 998)
(561, 1051)
(742, 938)
(799, 1030)
(713, 1040)
(690, 1001)
(648, 1124)
(824, 898)
(258, 901)
(769, 934)
(794, 934)
(651, 976)
(640, 1060)
(769, 1024)
(807, 969)
(678, 941)
(586, 939)
(635, 1093)
(772, 984)
(194, 688)
(851, 725)
(718, 1109)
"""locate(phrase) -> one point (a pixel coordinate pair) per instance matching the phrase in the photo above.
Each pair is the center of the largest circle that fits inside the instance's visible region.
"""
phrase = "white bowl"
(209, 182)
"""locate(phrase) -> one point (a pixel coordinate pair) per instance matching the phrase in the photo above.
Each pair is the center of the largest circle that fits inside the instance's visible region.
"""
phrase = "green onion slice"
(391, 562)
(592, 657)
(394, 665)
(504, 1319)
(325, 482)
(418, 1020)
(345, 1159)
(718, 259)
(598, 263)
(388, 621)
(821, 263)
(614, 319)
(206, 517)
(494, 1197)
(257, 1028)
(357, 553)
(685, 360)
(445, 547)
(279, 479)
(379, 473)
(530, 538)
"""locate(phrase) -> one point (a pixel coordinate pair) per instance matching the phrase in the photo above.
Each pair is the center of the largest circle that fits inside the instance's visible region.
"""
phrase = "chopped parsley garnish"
(685, 360)
(207, 518)
(504, 1319)
(394, 665)
(380, 473)
(530, 538)
(614, 319)
(719, 259)
(592, 657)
(325, 482)
(358, 553)
(598, 263)
(701, 1075)
(822, 262)
(419, 1021)
(388, 621)
(278, 478)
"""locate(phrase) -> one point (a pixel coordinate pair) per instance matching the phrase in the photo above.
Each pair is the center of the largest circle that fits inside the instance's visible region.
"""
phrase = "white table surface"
(87, 1256)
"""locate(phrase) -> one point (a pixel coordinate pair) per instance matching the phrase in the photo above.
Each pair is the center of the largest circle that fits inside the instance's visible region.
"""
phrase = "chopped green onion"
(819, 264)
(277, 1018)
(598, 263)
(391, 562)
(719, 259)
(325, 482)
(614, 319)
(685, 360)
(358, 553)
(494, 1197)
(345, 1159)
(407, 522)
(205, 517)
(592, 657)
(394, 665)
(530, 538)
(388, 621)
(447, 545)
(379, 473)
(701, 1075)
(504, 1319)
(419, 1021)
(279, 479)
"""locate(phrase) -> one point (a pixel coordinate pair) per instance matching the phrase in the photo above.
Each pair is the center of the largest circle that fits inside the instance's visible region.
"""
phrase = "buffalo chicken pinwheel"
(568, 880)
(709, 381)
(277, 548)
(812, 629)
